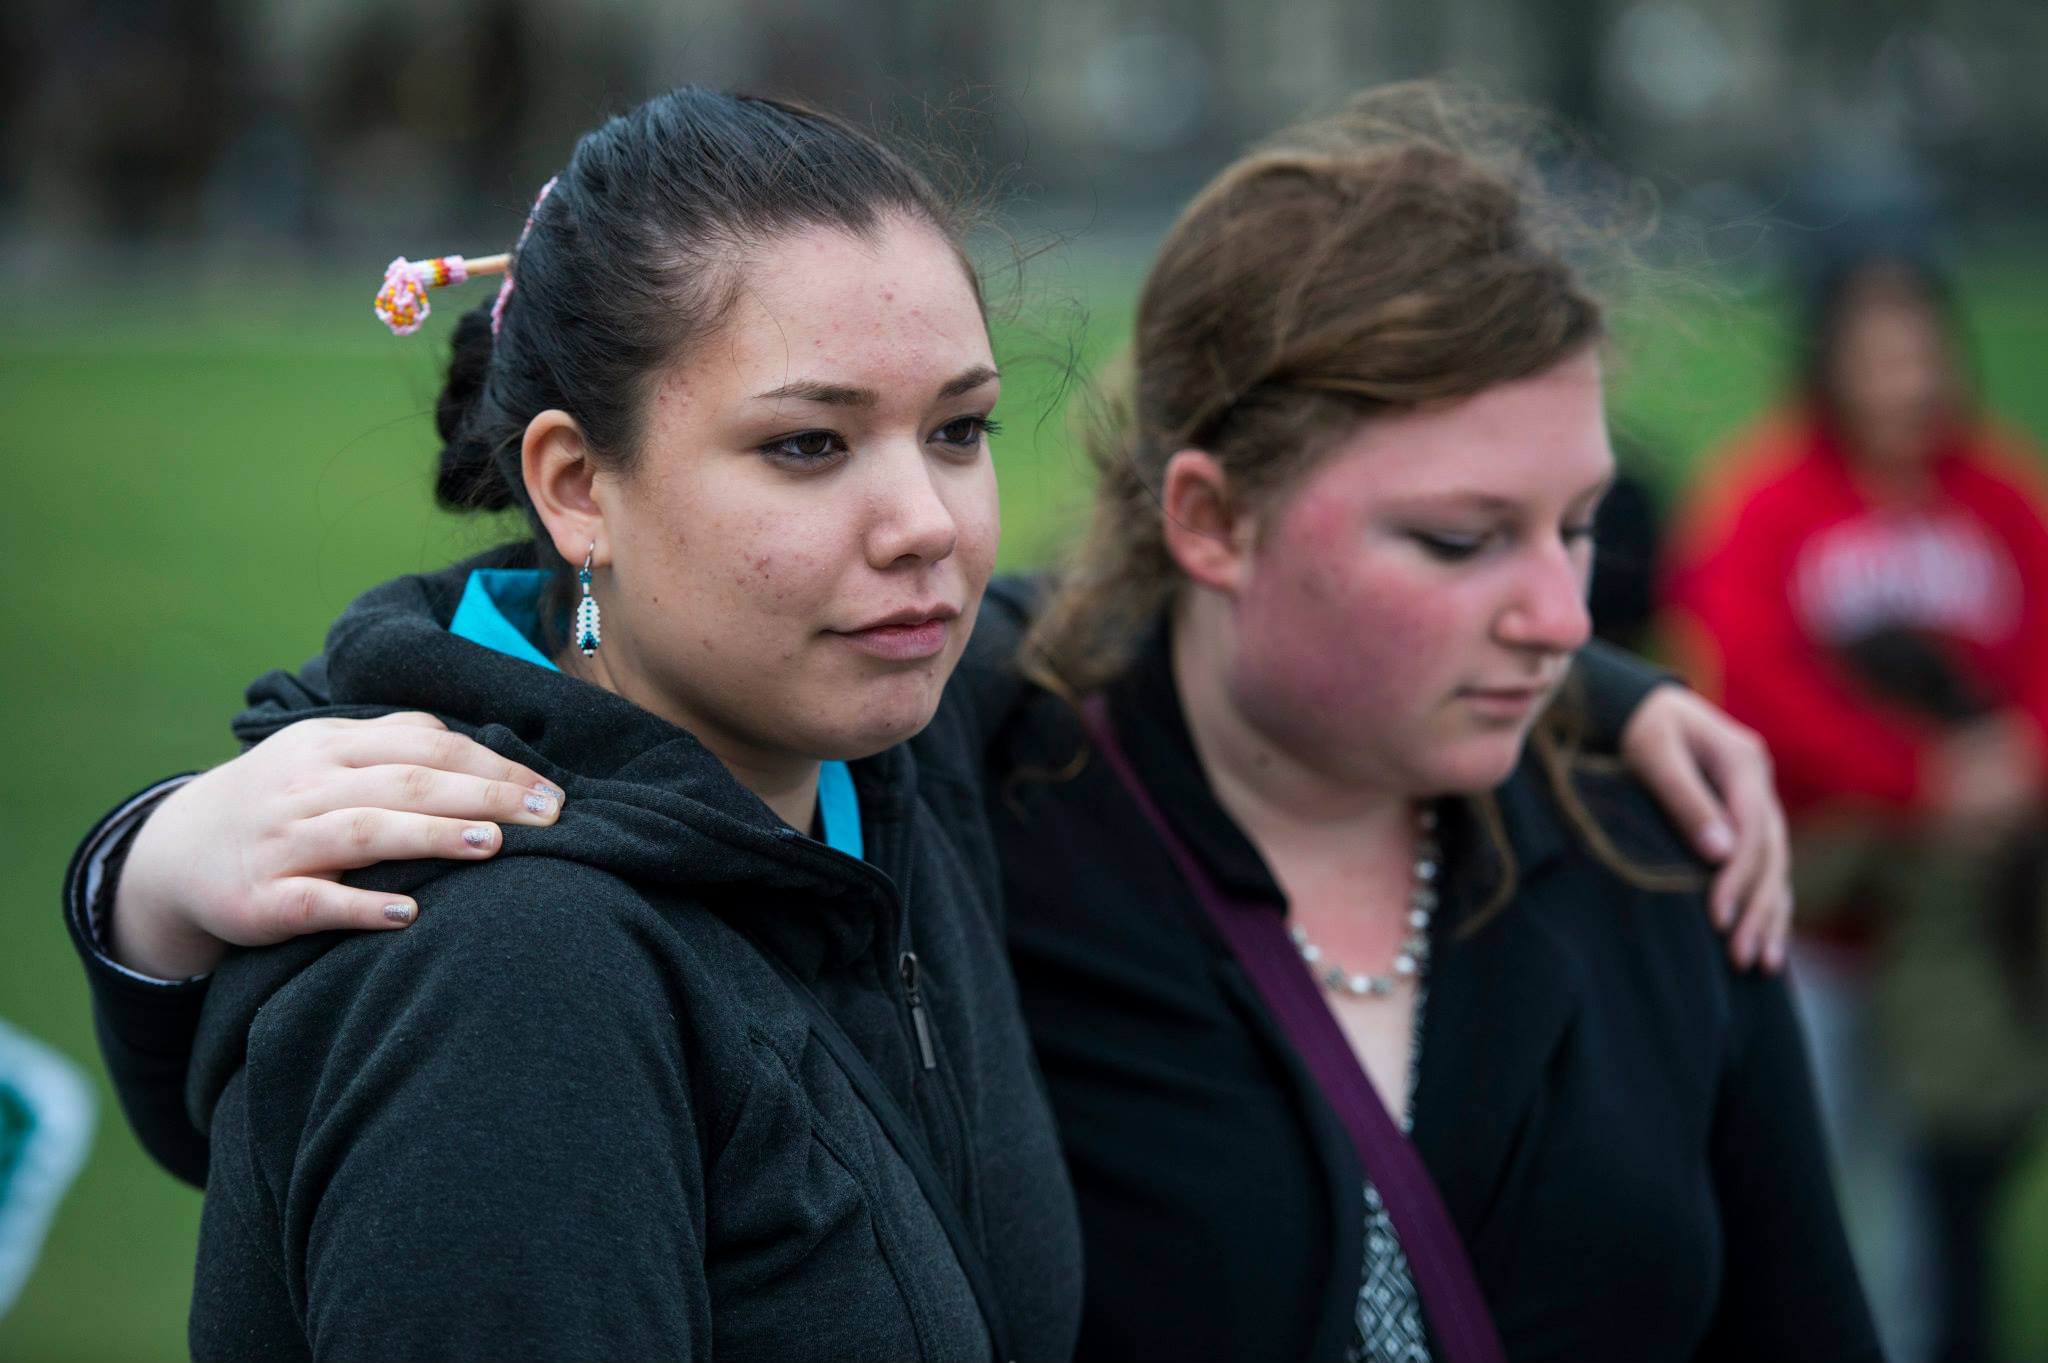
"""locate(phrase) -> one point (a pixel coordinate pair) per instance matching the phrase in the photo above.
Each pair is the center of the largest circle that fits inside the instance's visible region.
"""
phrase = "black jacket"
(577, 1110)
(1620, 1125)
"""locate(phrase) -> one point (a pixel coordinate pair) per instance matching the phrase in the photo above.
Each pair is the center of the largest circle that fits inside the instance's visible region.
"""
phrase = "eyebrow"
(1486, 501)
(841, 395)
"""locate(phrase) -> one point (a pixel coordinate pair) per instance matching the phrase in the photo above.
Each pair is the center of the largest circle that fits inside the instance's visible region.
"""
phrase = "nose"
(911, 521)
(1547, 608)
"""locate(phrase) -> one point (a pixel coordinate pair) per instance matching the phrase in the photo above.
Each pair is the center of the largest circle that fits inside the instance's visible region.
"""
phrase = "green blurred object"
(202, 479)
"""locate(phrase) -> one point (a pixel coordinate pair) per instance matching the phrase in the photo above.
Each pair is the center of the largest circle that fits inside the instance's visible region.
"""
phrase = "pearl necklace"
(1414, 953)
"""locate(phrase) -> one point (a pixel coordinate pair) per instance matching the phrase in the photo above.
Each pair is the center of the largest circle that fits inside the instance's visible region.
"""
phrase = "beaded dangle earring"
(587, 623)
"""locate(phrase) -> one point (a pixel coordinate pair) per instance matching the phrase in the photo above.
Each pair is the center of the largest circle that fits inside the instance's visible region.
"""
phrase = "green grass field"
(207, 477)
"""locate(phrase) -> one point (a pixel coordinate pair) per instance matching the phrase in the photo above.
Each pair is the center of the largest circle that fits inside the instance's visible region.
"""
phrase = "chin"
(897, 715)
(1474, 766)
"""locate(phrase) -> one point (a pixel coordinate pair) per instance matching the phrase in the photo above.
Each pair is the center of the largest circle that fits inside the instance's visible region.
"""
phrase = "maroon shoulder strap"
(1443, 1274)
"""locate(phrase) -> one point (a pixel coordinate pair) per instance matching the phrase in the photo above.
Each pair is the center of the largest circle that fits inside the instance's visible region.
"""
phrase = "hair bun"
(468, 478)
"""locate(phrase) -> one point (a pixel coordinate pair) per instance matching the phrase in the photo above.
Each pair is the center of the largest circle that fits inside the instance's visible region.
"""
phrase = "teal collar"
(500, 609)
(839, 810)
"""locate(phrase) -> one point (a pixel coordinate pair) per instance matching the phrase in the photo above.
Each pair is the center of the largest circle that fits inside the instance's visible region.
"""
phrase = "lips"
(1506, 702)
(904, 636)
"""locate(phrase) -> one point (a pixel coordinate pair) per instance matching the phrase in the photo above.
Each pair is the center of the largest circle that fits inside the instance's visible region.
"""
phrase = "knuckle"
(417, 784)
(362, 829)
(445, 749)
(302, 905)
(282, 843)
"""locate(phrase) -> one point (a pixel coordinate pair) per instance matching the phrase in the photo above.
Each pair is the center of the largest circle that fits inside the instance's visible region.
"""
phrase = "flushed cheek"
(1340, 628)
(1346, 657)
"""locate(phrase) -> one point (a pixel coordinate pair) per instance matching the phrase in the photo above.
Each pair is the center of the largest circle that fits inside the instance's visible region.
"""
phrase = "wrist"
(149, 932)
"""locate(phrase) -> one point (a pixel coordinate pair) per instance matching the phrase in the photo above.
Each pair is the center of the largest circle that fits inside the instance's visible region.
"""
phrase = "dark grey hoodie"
(580, 1109)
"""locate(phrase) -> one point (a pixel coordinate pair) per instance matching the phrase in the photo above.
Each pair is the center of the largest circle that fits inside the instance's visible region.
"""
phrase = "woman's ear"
(1208, 532)
(554, 459)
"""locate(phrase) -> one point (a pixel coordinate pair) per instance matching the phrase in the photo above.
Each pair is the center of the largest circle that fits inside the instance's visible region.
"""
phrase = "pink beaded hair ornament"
(402, 303)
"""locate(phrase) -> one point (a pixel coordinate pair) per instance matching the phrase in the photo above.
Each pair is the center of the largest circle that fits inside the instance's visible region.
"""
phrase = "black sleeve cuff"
(145, 1026)
(1611, 684)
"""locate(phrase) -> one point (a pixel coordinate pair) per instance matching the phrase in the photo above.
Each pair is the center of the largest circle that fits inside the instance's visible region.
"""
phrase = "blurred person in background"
(1864, 580)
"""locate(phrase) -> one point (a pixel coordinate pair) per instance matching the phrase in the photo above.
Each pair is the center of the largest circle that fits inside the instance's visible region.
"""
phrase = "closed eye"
(1449, 548)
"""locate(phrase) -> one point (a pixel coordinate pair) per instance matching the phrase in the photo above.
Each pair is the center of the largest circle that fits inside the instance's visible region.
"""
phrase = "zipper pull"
(906, 966)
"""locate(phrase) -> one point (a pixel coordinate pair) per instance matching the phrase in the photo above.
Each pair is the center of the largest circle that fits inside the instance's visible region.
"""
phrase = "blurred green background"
(205, 476)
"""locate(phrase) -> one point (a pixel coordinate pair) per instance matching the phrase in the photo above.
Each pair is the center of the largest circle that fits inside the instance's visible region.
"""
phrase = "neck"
(786, 783)
(1895, 483)
(1890, 469)
(1287, 806)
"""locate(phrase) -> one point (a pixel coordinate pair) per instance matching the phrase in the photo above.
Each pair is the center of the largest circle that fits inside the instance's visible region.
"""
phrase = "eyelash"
(983, 428)
(781, 449)
(1459, 549)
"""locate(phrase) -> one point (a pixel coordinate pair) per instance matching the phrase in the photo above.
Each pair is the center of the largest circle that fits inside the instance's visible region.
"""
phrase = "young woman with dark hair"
(1271, 719)
(725, 1060)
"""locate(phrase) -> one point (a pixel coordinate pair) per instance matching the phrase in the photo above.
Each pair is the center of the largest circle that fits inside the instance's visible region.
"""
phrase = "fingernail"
(398, 913)
(551, 790)
(1717, 840)
(538, 803)
(477, 836)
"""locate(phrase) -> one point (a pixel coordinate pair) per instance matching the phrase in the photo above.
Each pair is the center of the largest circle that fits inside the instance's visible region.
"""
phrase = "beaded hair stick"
(402, 303)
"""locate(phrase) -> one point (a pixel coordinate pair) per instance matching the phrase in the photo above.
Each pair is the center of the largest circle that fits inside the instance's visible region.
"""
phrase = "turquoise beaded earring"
(587, 624)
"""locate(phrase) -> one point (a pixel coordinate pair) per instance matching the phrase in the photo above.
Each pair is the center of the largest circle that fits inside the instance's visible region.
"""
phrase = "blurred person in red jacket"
(1863, 578)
